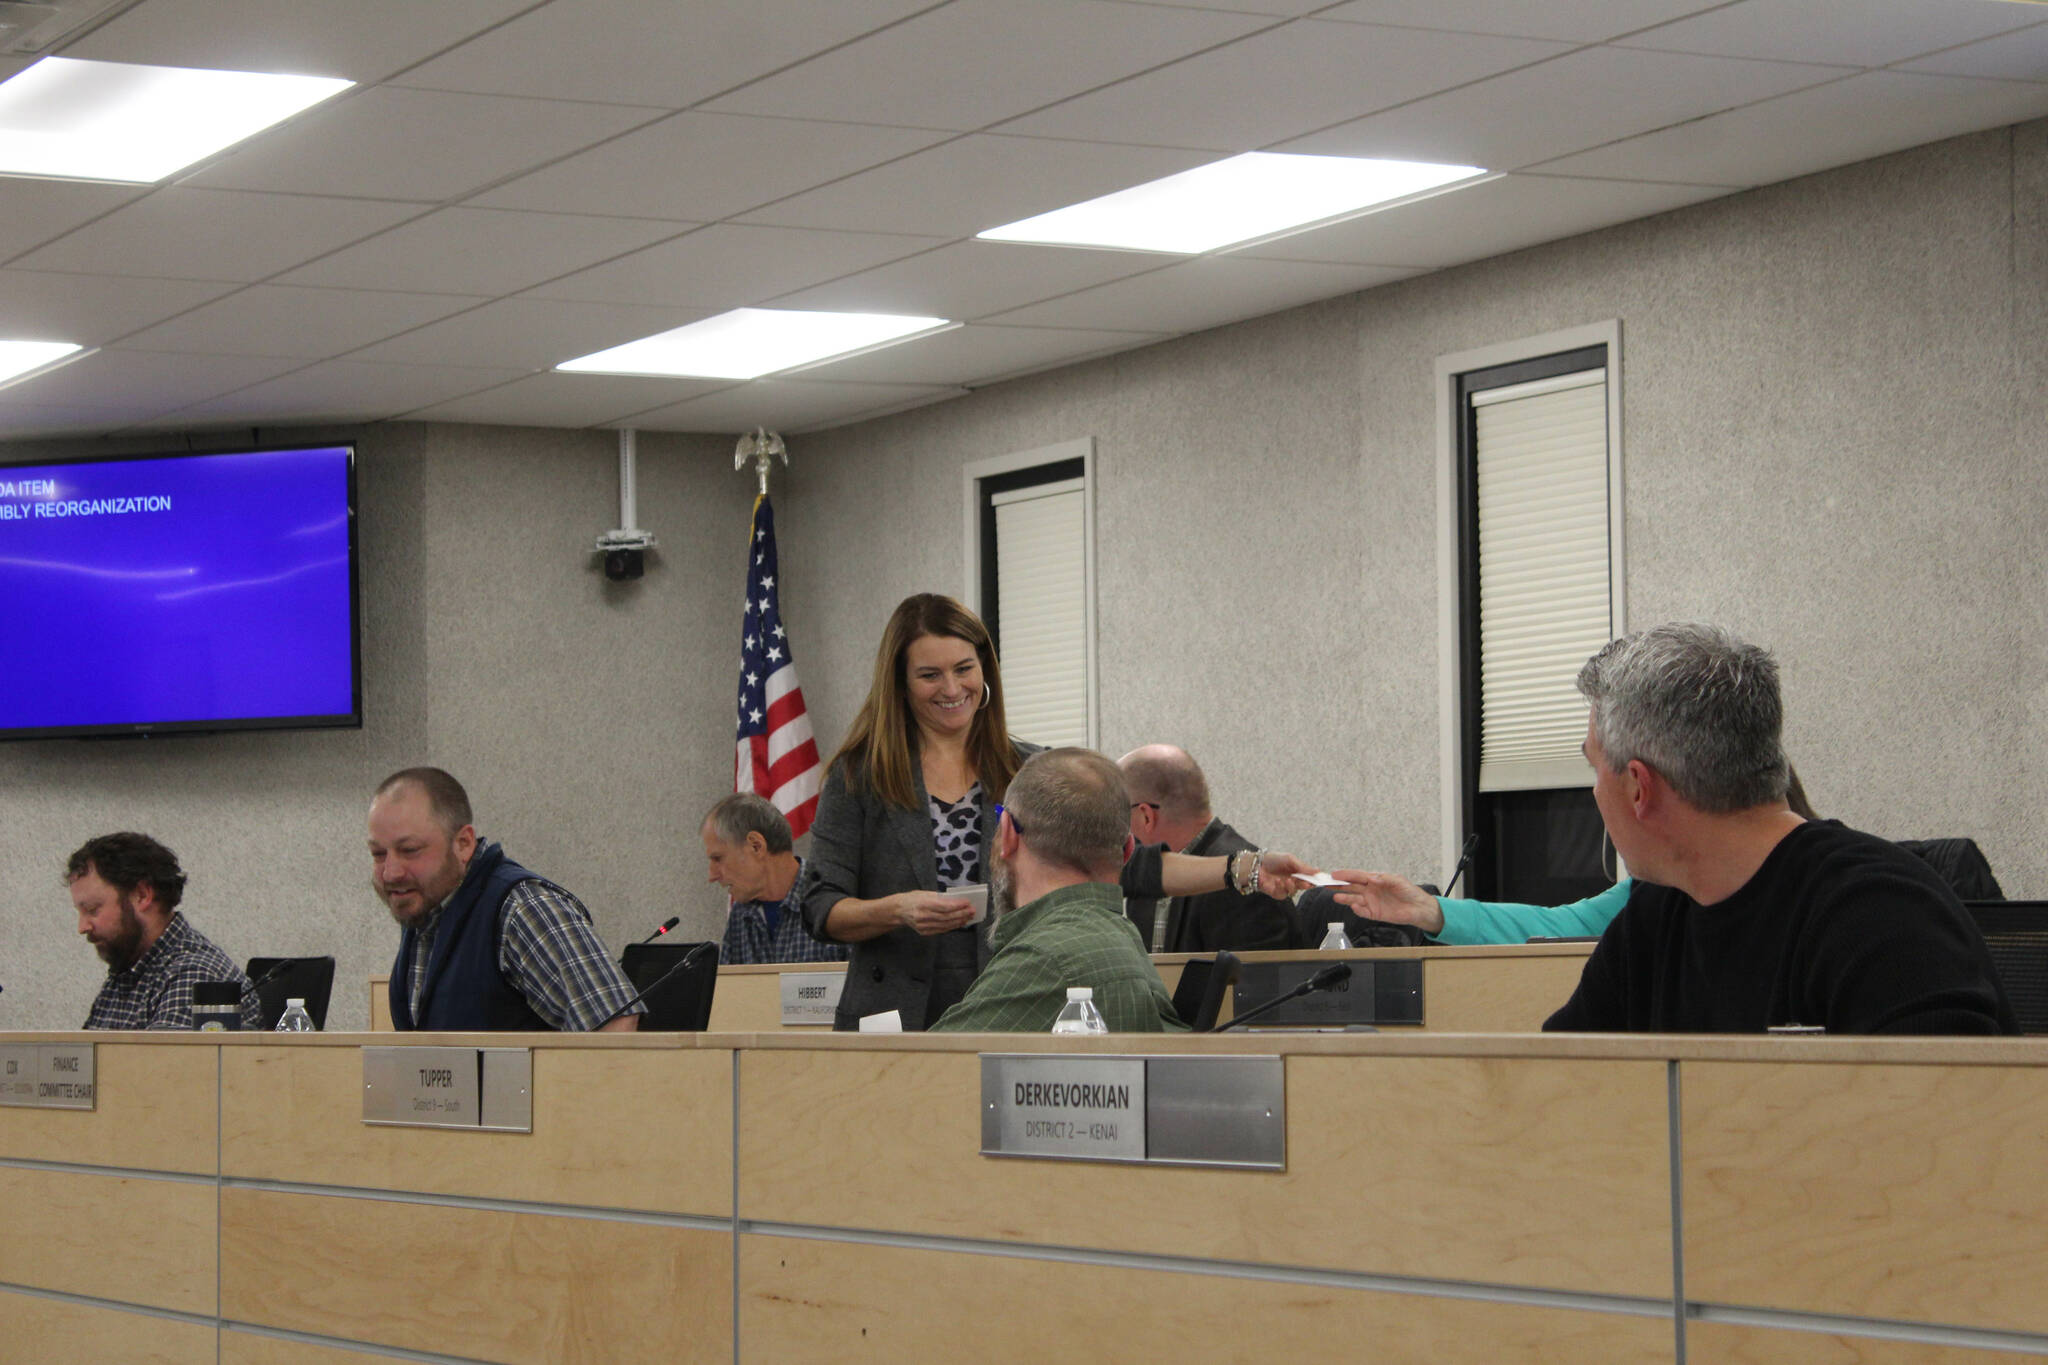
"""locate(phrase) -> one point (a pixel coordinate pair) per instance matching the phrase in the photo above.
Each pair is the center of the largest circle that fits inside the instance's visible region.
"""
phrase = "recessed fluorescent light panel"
(1250, 198)
(21, 359)
(82, 120)
(750, 342)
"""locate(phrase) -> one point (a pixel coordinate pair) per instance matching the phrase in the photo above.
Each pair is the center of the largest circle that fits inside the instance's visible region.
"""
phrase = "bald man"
(1169, 799)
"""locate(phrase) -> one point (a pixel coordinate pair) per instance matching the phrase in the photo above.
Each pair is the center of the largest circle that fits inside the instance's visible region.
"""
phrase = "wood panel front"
(1505, 994)
(1886, 1191)
(631, 1128)
(251, 1348)
(38, 1331)
(1481, 1169)
(1721, 1343)
(155, 1110)
(806, 1300)
(125, 1238)
(484, 1284)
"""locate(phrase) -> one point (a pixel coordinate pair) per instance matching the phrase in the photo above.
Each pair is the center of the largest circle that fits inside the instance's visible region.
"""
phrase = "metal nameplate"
(1381, 991)
(1070, 1108)
(1167, 1111)
(49, 1076)
(485, 1089)
(811, 997)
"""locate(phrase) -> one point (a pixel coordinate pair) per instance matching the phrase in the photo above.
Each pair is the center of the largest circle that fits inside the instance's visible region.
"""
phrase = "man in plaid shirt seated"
(126, 889)
(751, 853)
(1059, 913)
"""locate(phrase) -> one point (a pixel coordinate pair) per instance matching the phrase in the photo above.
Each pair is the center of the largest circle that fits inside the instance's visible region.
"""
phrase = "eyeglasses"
(1153, 804)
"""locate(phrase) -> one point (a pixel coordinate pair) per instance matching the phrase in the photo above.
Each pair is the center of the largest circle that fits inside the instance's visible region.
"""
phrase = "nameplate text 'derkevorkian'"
(48, 1076)
(484, 1089)
(1166, 1110)
(811, 997)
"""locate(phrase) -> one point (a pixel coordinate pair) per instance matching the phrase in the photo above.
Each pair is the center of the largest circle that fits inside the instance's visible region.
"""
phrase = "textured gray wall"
(1834, 413)
(591, 722)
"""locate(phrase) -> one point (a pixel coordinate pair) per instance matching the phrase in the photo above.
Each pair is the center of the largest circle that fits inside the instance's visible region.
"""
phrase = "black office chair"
(1960, 863)
(682, 1004)
(2016, 932)
(1198, 999)
(278, 979)
(1317, 908)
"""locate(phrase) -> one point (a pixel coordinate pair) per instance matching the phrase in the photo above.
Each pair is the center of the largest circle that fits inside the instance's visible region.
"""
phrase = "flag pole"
(761, 447)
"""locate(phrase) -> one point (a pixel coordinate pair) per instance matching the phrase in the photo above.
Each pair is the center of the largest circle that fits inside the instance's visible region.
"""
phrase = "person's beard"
(121, 951)
(1002, 891)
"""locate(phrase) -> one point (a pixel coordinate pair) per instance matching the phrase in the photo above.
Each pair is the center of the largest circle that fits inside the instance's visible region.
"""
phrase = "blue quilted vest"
(464, 992)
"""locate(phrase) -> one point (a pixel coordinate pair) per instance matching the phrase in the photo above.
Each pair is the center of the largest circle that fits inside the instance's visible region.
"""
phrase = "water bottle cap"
(300, 1003)
(1080, 992)
(1335, 924)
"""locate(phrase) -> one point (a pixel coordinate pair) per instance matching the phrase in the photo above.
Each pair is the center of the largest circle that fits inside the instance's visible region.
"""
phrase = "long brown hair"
(879, 747)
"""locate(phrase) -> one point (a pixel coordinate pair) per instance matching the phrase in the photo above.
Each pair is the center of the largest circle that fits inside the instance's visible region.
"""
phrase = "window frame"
(1457, 586)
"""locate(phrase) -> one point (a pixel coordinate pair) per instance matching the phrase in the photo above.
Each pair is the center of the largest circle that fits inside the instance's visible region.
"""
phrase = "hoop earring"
(985, 694)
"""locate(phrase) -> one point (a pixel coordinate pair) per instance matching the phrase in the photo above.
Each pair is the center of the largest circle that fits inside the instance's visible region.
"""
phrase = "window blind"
(1544, 603)
(1042, 607)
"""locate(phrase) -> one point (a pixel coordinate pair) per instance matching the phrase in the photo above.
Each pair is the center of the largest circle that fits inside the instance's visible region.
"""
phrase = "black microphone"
(1336, 974)
(1464, 861)
(662, 980)
(672, 922)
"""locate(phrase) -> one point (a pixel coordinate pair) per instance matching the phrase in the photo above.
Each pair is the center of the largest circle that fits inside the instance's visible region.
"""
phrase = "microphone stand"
(1334, 975)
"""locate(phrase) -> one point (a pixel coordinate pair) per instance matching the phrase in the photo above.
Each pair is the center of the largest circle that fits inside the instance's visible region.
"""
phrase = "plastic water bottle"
(1335, 939)
(295, 1019)
(1079, 1014)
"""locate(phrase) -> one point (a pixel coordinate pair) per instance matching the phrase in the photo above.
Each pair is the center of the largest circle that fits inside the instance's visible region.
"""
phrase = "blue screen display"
(185, 591)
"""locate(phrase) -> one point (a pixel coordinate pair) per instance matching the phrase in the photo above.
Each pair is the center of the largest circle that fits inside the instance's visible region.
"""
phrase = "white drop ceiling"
(513, 184)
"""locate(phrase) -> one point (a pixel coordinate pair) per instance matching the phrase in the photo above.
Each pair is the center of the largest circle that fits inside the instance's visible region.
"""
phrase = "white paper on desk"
(888, 1021)
(975, 893)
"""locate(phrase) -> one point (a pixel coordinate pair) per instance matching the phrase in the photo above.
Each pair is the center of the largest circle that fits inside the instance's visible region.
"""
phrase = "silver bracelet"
(1258, 857)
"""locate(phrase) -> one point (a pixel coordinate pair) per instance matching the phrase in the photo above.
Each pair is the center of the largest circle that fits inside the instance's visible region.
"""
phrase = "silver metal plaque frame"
(811, 998)
(49, 1076)
(1168, 1111)
(483, 1089)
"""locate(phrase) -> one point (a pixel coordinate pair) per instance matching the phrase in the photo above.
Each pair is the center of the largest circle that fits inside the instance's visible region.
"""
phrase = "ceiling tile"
(975, 183)
(37, 210)
(1870, 33)
(282, 319)
(1283, 9)
(527, 333)
(1487, 219)
(414, 144)
(344, 390)
(566, 400)
(1579, 21)
(973, 279)
(91, 309)
(977, 355)
(180, 232)
(1202, 293)
(1281, 84)
(150, 380)
(727, 265)
(702, 167)
(972, 62)
(1850, 120)
(364, 40)
(2021, 56)
(652, 52)
(36, 421)
(481, 251)
(1592, 96)
(785, 405)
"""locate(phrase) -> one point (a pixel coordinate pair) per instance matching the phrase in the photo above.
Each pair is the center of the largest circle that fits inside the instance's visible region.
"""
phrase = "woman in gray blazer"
(908, 810)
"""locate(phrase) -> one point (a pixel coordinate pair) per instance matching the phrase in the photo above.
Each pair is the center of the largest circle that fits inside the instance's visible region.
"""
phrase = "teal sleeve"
(1468, 922)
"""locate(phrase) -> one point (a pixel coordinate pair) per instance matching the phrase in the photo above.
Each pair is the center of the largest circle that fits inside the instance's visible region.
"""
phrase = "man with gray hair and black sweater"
(1743, 915)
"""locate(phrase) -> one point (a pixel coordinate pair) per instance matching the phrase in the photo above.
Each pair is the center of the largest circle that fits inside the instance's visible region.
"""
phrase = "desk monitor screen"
(225, 584)
(682, 1004)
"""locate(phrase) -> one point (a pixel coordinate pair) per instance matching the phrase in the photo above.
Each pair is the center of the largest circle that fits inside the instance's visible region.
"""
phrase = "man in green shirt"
(1058, 912)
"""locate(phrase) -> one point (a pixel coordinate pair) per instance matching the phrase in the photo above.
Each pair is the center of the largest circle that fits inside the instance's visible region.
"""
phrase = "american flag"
(778, 757)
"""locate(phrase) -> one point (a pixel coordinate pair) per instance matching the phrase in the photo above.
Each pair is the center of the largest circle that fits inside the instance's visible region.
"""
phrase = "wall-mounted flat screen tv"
(179, 592)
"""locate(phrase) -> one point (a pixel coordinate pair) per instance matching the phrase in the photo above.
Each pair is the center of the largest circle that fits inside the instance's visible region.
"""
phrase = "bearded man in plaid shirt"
(1059, 913)
(126, 889)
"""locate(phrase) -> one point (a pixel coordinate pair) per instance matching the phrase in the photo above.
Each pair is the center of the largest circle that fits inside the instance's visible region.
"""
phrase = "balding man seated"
(1169, 804)
(1055, 909)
